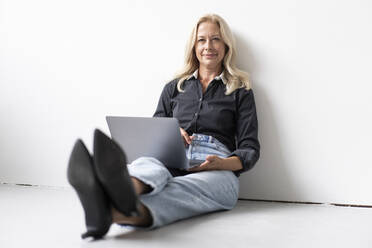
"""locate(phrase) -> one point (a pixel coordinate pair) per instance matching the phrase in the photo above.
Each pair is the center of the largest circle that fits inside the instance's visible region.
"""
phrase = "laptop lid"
(157, 137)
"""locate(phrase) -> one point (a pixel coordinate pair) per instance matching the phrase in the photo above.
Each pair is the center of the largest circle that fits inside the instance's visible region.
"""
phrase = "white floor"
(52, 217)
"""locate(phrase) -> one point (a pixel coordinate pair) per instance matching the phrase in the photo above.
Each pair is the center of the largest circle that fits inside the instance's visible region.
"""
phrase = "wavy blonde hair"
(235, 77)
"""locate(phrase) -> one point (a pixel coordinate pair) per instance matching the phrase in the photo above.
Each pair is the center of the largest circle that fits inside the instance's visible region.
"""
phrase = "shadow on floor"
(217, 219)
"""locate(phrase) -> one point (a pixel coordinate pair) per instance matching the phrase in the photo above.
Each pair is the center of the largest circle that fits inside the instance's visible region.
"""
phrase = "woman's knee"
(151, 172)
(232, 185)
(220, 186)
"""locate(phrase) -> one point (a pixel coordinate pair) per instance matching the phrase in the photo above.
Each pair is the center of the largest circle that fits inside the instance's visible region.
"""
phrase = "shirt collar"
(219, 77)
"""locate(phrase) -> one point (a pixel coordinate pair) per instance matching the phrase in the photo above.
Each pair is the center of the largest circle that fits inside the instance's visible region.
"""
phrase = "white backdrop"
(65, 65)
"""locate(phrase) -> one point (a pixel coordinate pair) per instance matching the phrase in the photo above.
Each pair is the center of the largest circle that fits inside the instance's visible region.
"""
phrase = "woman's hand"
(214, 162)
(186, 138)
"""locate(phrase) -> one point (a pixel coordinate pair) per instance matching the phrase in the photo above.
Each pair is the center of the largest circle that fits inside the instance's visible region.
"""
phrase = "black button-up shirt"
(231, 119)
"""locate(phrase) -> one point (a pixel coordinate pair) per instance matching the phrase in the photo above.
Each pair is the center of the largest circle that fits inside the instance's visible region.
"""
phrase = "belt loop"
(210, 139)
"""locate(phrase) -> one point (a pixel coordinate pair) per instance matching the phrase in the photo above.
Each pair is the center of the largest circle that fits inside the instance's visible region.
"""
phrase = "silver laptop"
(157, 137)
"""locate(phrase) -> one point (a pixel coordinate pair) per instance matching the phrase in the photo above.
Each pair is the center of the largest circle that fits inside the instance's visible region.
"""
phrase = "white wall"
(65, 65)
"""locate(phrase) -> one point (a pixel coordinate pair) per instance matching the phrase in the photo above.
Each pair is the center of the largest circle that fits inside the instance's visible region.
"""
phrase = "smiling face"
(209, 46)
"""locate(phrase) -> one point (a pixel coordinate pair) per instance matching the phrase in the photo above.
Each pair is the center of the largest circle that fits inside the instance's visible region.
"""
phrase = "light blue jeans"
(176, 198)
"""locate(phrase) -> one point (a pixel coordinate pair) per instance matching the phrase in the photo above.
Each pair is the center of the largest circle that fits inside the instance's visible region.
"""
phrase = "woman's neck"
(206, 75)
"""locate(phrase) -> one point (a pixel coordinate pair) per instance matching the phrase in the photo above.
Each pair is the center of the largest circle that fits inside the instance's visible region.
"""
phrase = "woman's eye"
(201, 40)
(216, 38)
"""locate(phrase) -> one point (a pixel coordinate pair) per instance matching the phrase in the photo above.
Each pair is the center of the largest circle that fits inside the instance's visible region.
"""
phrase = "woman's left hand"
(212, 162)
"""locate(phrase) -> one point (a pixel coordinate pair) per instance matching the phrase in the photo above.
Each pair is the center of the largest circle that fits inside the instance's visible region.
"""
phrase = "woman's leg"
(149, 176)
(165, 199)
(197, 193)
(144, 219)
(192, 195)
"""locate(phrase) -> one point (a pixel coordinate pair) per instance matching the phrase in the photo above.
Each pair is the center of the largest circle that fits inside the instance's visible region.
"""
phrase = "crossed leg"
(144, 219)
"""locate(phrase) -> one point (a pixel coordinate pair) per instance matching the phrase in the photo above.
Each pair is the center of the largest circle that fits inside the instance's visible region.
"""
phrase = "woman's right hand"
(186, 138)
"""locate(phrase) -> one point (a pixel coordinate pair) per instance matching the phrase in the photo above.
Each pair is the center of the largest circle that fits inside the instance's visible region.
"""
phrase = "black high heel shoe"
(110, 163)
(81, 176)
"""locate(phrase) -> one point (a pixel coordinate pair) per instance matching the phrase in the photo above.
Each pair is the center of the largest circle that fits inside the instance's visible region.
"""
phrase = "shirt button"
(196, 114)
(200, 99)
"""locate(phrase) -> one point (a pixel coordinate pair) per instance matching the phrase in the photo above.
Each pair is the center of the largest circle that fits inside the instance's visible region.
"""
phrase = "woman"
(215, 107)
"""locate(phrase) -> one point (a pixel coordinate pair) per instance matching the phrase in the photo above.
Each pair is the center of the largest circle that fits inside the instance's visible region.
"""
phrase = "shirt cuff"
(248, 158)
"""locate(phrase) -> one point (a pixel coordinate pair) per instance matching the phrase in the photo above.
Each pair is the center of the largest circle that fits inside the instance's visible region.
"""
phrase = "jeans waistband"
(204, 138)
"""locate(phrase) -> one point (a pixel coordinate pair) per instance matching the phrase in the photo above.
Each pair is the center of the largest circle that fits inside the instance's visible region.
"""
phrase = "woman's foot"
(81, 176)
(111, 167)
(144, 220)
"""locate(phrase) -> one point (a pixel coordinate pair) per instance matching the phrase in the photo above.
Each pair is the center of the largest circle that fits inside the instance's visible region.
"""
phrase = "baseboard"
(242, 199)
(319, 203)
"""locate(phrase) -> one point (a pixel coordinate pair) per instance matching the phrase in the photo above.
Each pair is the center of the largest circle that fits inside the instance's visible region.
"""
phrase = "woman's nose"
(208, 45)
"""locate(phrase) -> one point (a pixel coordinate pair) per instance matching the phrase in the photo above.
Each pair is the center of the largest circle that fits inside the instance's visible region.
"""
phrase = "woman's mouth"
(212, 55)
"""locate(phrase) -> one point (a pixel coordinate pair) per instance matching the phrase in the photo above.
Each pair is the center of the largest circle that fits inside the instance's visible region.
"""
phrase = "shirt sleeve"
(164, 108)
(247, 144)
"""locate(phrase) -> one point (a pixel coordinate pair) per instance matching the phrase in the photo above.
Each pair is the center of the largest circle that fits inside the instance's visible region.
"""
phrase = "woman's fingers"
(186, 138)
(212, 162)
(183, 135)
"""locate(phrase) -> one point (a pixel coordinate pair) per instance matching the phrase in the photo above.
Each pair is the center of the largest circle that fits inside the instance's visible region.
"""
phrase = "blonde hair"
(235, 77)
